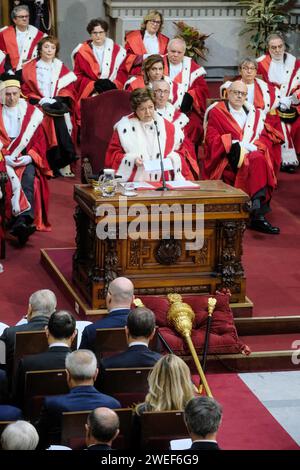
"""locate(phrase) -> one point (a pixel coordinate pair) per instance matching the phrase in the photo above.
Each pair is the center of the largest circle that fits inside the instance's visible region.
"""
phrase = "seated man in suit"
(60, 334)
(118, 301)
(140, 329)
(82, 372)
(202, 418)
(42, 304)
(102, 428)
(10, 413)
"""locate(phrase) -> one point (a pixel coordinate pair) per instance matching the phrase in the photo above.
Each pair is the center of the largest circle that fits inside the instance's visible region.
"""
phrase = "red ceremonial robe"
(87, 68)
(2, 61)
(8, 44)
(135, 49)
(258, 169)
(62, 85)
(128, 143)
(290, 85)
(32, 140)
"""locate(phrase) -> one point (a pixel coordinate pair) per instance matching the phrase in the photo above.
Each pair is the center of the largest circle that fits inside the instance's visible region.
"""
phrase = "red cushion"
(223, 335)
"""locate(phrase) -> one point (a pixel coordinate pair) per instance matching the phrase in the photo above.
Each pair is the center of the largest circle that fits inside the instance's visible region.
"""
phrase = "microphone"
(164, 186)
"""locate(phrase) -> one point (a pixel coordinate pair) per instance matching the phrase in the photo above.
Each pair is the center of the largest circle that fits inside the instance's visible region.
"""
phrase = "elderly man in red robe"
(239, 145)
(183, 70)
(23, 150)
(282, 69)
(20, 40)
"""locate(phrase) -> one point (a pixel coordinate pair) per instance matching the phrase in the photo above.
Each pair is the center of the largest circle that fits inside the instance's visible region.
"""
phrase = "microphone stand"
(164, 186)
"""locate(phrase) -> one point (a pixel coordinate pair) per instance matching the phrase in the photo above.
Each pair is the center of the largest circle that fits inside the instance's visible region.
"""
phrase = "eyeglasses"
(249, 69)
(155, 22)
(95, 33)
(238, 93)
(274, 48)
(22, 17)
(162, 92)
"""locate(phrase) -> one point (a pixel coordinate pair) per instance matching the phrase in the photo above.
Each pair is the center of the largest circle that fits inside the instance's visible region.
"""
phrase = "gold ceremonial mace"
(181, 316)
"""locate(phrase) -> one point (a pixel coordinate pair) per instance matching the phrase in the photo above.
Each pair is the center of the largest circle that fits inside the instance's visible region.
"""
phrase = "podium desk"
(164, 263)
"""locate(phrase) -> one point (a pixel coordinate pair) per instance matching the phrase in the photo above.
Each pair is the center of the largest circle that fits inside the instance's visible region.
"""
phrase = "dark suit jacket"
(134, 356)
(10, 413)
(9, 337)
(204, 445)
(78, 399)
(115, 319)
(53, 358)
(99, 447)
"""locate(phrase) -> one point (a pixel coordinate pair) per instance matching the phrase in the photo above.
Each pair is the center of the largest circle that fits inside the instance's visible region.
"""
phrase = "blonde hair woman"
(170, 386)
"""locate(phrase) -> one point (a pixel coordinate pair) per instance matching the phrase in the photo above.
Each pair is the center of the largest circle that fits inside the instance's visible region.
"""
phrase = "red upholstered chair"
(223, 335)
(98, 116)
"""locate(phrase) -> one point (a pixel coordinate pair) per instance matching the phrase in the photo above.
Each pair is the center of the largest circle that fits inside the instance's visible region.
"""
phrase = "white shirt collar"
(58, 343)
(138, 343)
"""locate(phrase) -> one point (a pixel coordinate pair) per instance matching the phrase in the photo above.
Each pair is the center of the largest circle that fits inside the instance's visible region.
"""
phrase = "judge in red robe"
(50, 84)
(135, 142)
(23, 149)
(183, 70)
(96, 62)
(20, 40)
(282, 69)
(239, 144)
(139, 44)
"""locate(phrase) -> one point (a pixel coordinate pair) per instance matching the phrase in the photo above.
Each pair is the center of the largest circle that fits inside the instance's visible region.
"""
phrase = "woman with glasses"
(282, 69)
(48, 83)
(153, 70)
(144, 137)
(20, 40)
(142, 43)
(259, 93)
(96, 62)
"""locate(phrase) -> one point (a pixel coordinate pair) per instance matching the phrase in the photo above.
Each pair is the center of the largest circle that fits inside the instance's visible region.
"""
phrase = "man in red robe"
(20, 40)
(239, 145)
(23, 149)
(282, 69)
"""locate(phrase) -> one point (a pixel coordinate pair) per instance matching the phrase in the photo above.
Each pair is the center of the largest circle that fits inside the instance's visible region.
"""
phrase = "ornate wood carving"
(168, 251)
(111, 262)
(134, 253)
(230, 265)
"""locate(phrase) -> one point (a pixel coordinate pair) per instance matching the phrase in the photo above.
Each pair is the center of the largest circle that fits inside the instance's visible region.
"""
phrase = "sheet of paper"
(140, 185)
(154, 165)
(179, 444)
(182, 185)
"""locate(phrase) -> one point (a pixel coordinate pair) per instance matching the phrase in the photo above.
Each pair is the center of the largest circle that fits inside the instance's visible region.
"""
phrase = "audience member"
(20, 40)
(282, 69)
(203, 417)
(82, 372)
(20, 435)
(139, 44)
(240, 148)
(48, 83)
(118, 301)
(134, 143)
(24, 148)
(170, 386)
(10, 413)
(41, 305)
(140, 329)
(102, 428)
(60, 333)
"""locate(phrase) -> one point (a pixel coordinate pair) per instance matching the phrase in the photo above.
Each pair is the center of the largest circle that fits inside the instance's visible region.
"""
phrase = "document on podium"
(152, 166)
(182, 184)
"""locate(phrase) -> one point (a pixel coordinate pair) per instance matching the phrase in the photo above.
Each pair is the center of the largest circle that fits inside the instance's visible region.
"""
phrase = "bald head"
(102, 426)
(237, 94)
(176, 50)
(120, 293)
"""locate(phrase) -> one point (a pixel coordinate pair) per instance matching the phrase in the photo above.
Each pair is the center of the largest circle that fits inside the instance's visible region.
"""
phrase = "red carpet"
(247, 424)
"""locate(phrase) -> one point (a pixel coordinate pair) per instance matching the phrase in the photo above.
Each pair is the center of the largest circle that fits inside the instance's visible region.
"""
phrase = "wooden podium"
(160, 266)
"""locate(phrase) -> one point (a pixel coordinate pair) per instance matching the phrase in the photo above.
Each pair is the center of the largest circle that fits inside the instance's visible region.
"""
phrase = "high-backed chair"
(113, 340)
(99, 114)
(73, 430)
(41, 383)
(128, 385)
(159, 427)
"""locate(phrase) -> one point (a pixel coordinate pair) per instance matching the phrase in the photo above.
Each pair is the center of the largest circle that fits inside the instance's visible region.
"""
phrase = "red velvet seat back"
(98, 116)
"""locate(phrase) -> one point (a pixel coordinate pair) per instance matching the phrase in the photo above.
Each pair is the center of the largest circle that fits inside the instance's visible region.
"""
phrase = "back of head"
(141, 322)
(203, 416)
(81, 365)
(170, 384)
(43, 302)
(61, 325)
(121, 291)
(20, 435)
(103, 424)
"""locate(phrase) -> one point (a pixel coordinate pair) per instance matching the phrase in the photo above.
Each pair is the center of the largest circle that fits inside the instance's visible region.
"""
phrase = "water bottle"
(107, 183)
